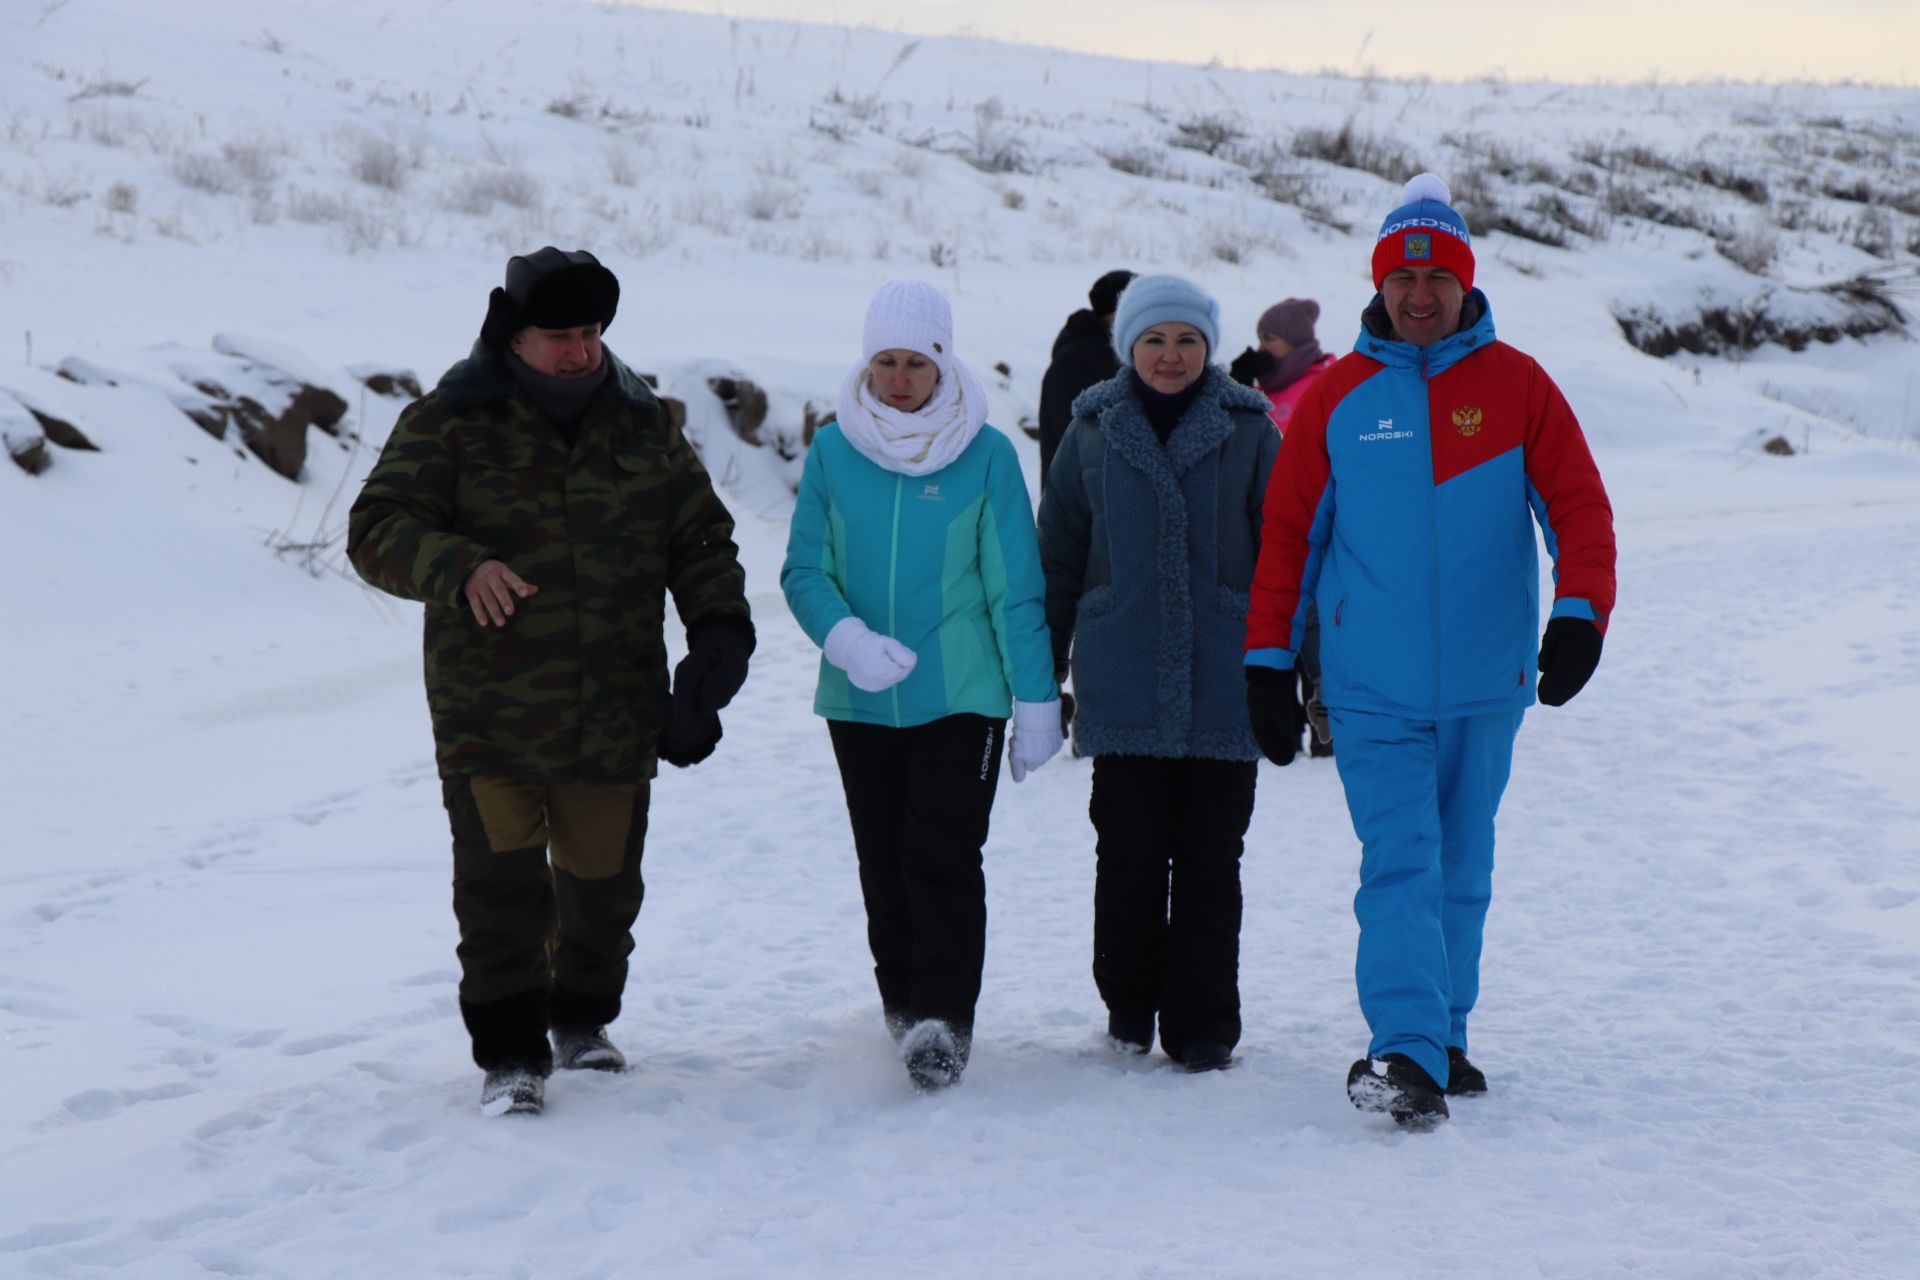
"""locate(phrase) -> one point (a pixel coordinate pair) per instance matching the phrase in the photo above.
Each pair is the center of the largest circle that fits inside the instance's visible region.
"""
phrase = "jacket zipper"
(1433, 531)
(893, 584)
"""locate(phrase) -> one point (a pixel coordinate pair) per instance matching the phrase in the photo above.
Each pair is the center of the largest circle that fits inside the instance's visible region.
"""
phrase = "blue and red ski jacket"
(1403, 503)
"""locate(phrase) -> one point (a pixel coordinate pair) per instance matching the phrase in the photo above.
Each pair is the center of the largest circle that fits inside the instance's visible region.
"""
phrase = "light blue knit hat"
(1152, 300)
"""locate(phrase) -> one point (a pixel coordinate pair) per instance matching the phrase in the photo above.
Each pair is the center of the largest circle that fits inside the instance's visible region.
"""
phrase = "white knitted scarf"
(918, 443)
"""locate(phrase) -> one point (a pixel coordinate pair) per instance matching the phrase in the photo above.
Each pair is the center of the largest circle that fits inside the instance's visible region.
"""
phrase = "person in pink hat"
(1288, 358)
(1282, 367)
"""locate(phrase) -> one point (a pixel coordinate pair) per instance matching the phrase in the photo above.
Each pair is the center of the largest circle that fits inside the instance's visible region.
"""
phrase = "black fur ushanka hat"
(550, 289)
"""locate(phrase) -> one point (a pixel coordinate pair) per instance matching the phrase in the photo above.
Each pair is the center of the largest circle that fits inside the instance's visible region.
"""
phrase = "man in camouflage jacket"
(541, 505)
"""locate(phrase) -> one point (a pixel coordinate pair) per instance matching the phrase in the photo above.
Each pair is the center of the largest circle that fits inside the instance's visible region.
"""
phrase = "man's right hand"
(491, 590)
(1274, 713)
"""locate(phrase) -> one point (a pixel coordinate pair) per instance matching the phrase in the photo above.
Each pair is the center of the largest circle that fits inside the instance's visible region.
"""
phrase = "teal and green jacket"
(947, 563)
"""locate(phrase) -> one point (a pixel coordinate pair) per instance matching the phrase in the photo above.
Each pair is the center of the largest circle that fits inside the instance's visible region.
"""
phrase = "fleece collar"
(483, 379)
(1205, 426)
(1377, 342)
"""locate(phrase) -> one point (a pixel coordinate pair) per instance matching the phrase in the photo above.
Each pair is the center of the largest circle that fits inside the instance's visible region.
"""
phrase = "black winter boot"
(1204, 1056)
(935, 1055)
(1130, 1032)
(586, 1049)
(1399, 1086)
(513, 1091)
(1463, 1078)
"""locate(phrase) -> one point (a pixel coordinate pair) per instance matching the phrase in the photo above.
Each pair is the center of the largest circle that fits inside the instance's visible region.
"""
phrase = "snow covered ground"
(228, 1032)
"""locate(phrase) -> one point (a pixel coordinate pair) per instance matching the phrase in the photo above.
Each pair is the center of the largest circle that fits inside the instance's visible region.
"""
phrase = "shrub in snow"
(1207, 133)
(622, 171)
(1753, 247)
(1141, 162)
(477, 193)
(1873, 232)
(382, 162)
(256, 160)
(766, 200)
(201, 172)
(995, 146)
(316, 206)
(705, 208)
(1353, 148)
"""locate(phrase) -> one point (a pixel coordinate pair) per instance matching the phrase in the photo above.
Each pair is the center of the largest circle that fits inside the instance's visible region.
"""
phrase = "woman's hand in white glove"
(872, 661)
(1036, 736)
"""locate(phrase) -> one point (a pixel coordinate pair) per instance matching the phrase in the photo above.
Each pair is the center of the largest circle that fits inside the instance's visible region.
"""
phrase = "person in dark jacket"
(1149, 532)
(542, 505)
(1082, 355)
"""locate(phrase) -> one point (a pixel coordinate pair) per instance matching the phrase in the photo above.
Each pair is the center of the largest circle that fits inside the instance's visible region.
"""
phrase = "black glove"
(1251, 365)
(1067, 708)
(1569, 651)
(704, 681)
(1275, 713)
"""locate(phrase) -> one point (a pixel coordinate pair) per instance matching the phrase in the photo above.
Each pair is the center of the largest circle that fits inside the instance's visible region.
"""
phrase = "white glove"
(872, 661)
(1036, 736)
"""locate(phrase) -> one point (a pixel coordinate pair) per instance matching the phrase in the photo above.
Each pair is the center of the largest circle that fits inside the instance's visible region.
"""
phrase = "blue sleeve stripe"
(1278, 659)
(1574, 607)
(1539, 505)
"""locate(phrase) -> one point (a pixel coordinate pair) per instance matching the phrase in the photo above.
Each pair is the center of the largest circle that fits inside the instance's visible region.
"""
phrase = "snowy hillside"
(227, 1015)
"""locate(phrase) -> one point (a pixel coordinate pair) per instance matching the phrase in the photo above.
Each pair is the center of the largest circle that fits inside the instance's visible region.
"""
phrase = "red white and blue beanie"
(1152, 300)
(1425, 231)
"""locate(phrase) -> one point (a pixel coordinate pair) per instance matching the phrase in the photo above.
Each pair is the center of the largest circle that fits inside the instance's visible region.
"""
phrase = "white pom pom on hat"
(1427, 186)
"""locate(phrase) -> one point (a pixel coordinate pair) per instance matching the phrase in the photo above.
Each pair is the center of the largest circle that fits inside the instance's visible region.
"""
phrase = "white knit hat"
(909, 315)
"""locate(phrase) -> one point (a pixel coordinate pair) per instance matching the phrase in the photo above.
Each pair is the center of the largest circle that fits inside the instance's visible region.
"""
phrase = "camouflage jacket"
(573, 688)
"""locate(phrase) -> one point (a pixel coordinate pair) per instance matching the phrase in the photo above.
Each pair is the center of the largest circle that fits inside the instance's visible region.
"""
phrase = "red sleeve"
(1301, 475)
(1572, 503)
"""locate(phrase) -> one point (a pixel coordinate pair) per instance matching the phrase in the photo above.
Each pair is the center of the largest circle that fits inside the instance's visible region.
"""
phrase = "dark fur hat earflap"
(553, 289)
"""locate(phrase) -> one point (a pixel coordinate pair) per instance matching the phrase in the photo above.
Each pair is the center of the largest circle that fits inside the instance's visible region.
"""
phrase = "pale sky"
(1579, 40)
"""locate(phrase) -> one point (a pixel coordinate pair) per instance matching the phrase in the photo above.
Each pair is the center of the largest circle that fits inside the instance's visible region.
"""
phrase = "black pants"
(1166, 893)
(542, 944)
(919, 800)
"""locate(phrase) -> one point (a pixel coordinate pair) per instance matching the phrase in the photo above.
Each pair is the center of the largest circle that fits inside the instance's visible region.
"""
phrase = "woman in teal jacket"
(912, 562)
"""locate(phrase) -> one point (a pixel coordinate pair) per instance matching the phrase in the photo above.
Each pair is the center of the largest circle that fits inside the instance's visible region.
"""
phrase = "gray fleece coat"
(1149, 553)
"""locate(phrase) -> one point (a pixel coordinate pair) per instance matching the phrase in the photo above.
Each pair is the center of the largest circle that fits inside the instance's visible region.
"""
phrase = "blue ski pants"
(1422, 794)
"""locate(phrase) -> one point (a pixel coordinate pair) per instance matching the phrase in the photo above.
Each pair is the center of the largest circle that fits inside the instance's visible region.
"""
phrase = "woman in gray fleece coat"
(1149, 530)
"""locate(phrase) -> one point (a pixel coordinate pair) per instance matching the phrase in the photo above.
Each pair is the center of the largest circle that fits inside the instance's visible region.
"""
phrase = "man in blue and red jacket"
(1403, 502)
